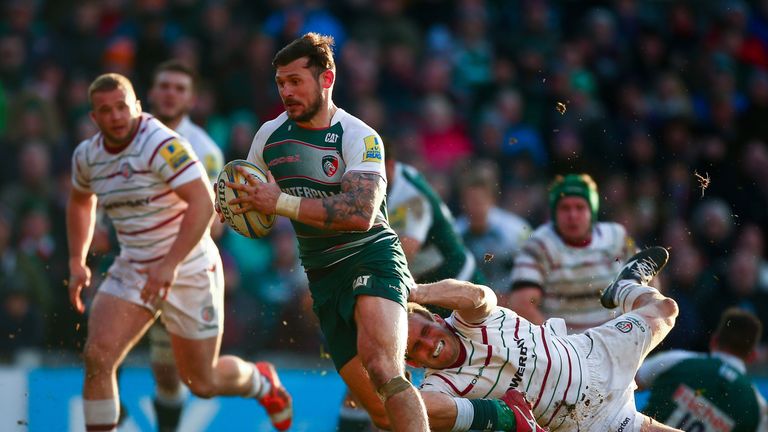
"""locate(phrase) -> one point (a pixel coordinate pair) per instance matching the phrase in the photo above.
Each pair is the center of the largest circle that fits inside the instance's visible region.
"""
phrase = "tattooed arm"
(354, 209)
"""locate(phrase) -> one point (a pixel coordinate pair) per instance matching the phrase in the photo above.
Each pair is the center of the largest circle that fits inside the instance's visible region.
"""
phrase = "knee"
(380, 370)
(98, 358)
(669, 308)
(201, 389)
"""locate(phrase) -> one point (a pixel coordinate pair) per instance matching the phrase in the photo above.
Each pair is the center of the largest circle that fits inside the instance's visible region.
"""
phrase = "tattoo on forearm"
(359, 197)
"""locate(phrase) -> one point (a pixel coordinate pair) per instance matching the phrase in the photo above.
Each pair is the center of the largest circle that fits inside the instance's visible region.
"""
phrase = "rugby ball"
(251, 224)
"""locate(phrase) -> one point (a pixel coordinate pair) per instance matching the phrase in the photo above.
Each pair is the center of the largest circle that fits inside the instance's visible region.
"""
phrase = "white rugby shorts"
(614, 352)
(194, 307)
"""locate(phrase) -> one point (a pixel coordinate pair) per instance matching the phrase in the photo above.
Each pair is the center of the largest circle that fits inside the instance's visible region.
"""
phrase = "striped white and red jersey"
(135, 186)
(507, 351)
(571, 277)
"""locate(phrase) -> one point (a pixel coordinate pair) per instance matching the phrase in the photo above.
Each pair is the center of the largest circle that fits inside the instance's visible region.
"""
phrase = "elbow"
(363, 222)
(479, 295)
(203, 208)
(362, 225)
(207, 210)
(381, 422)
(485, 296)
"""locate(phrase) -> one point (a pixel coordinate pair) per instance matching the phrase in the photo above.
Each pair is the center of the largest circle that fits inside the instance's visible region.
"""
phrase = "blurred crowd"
(664, 103)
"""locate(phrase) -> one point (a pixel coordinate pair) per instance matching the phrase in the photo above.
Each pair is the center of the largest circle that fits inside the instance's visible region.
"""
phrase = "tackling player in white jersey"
(561, 268)
(151, 185)
(581, 382)
(172, 96)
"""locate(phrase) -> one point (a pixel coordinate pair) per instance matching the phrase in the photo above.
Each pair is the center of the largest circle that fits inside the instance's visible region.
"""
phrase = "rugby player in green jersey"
(709, 392)
(434, 250)
(326, 173)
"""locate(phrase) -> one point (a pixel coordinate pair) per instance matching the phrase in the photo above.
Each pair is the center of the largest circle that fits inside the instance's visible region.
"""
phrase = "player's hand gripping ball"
(251, 224)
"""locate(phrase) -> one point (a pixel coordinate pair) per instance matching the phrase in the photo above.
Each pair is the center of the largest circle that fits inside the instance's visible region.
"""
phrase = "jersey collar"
(119, 150)
(731, 360)
(462, 350)
(183, 124)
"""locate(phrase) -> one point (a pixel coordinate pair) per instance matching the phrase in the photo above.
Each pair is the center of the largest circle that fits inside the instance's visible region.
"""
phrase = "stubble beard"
(169, 119)
(124, 140)
(312, 109)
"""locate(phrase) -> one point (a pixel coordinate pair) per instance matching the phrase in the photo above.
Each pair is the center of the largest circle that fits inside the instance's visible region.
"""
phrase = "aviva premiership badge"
(174, 154)
(372, 149)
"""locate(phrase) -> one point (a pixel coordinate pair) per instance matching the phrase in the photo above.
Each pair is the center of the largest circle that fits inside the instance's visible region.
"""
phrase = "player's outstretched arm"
(81, 220)
(473, 302)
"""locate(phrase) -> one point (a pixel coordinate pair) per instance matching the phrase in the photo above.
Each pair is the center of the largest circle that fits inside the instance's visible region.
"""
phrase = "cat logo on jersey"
(174, 154)
(361, 282)
(372, 149)
(330, 165)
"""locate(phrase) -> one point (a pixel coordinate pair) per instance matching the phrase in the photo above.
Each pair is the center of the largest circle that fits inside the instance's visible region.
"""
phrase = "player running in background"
(581, 382)
(561, 269)
(709, 392)
(153, 188)
(327, 175)
(171, 97)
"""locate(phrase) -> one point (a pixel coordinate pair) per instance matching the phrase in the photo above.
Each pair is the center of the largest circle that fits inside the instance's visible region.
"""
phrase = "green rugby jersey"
(311, 163)
(702, 393)
(416, 211)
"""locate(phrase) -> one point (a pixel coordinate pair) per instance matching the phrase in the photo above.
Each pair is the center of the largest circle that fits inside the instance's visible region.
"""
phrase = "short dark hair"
(317, 48)
(175, 65)
(108, 82)
(739, 332)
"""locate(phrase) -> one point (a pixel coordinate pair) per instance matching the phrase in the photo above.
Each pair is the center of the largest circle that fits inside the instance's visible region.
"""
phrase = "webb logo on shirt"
(174, 154)
(372, 149)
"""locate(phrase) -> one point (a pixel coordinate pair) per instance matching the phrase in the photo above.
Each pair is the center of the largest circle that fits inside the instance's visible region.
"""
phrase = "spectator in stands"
(733, 282)
(21, 322)
(672, 73)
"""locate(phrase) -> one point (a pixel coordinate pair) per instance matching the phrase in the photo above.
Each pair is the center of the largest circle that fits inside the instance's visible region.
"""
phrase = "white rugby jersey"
(505, 350)
(135, 189)
(571, 277)
(206, 149)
